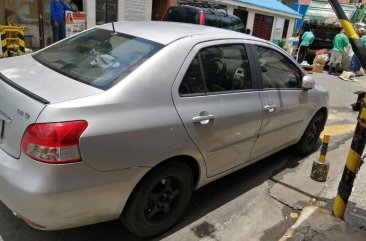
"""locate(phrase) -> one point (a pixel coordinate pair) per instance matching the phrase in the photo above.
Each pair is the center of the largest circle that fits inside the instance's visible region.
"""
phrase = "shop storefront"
(34, 15)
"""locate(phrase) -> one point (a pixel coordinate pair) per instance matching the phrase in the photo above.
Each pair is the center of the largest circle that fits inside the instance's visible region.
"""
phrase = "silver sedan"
(125, 121)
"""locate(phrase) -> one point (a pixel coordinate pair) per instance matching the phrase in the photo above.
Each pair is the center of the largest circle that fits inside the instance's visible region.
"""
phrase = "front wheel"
(311, 135)
(159, 200)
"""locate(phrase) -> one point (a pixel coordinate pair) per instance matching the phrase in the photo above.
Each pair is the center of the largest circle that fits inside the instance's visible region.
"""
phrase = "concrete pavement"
(316, 222)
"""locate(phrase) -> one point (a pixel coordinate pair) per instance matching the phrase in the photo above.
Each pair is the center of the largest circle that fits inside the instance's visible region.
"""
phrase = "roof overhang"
(261, 9)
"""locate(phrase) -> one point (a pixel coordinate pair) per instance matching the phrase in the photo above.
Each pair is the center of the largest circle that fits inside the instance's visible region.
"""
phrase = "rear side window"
(98, 57)
(182, 14)
(225, 68)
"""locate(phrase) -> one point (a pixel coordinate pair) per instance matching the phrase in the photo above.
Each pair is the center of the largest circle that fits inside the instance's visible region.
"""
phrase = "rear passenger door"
(216, 98)
(285, 103)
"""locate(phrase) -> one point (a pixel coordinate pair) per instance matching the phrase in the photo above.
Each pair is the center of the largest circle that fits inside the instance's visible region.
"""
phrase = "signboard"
(135, 10)
(280, 23)
(75, 22)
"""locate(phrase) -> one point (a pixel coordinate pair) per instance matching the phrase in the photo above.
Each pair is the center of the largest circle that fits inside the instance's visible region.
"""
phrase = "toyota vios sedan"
(125, 121)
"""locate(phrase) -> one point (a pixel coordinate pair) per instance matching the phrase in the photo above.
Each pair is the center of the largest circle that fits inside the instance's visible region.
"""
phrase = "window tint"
(226, 68)
(98, 57)
(192, 82)
(277, 70)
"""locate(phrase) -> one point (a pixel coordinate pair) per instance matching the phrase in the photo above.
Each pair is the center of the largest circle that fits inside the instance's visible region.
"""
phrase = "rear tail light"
(54, 143)
(202, 18)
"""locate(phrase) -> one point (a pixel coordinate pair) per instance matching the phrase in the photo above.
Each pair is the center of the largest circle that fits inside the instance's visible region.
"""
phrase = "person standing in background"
(58, 9)
(355, 64)
(339, 43)
(307, 39)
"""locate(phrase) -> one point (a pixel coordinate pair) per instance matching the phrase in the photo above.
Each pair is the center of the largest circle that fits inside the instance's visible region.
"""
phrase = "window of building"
(285, 28)
(106, 11)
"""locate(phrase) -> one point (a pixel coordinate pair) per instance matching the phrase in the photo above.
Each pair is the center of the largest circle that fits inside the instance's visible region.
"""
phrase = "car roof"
(167, 32)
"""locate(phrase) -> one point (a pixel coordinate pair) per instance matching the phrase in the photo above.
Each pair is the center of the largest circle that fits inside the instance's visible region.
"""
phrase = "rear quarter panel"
(135, 123)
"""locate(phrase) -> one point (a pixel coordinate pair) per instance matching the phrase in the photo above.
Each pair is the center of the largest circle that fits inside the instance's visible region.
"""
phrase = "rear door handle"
(270, 108)
(203, 119)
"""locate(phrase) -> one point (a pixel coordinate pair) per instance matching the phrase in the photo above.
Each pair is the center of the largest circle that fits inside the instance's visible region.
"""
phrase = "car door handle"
(270, 108)
(203, 119)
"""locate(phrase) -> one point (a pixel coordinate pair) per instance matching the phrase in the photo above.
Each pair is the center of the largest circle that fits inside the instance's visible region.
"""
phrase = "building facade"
(268, 19)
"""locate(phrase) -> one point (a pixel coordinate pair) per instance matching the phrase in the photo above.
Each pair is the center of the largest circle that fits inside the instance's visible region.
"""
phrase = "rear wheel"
(311, 135)
(159, 200)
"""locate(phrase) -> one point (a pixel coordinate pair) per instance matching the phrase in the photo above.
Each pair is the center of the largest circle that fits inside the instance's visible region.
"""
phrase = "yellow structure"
(12, 41)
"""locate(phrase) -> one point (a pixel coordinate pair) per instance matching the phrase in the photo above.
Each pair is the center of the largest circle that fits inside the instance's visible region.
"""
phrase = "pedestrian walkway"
(317, 224)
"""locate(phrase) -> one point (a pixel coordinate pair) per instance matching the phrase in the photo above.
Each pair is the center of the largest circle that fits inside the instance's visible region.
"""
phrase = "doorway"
(159, 8)
(263, 25)
(243, 15)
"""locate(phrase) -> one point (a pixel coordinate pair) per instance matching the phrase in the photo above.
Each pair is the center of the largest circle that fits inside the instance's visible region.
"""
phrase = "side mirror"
(308, 82)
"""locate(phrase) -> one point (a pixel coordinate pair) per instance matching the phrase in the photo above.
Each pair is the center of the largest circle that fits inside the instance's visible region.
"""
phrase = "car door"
(285, 103)
(215, 95)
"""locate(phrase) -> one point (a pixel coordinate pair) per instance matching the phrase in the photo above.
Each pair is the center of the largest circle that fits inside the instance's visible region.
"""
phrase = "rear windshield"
(98, 57)
(182, 14)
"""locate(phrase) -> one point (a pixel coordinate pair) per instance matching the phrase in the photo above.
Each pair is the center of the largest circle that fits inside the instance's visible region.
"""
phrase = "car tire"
(159, 200)
(309, 139)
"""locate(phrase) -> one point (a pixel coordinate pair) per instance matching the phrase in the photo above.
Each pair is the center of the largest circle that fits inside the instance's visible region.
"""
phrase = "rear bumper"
(64, 196)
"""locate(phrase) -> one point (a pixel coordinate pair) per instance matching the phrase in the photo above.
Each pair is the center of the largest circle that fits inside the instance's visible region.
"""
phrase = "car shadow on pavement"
(204, 201)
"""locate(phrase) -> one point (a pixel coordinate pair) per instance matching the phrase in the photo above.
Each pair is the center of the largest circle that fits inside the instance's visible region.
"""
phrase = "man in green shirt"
(339, 43)
(307, 39)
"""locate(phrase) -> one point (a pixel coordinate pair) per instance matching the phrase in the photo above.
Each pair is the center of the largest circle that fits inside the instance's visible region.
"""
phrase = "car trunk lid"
(26, 87)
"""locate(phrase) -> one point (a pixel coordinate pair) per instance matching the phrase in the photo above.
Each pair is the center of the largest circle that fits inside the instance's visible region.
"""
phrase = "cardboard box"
(318, 68)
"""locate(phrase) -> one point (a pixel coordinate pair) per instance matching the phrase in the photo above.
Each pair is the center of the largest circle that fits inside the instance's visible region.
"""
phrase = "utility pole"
(354, 161)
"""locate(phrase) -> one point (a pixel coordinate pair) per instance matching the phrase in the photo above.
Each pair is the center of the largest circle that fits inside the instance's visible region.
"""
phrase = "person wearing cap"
(339, 43)
(307, 39)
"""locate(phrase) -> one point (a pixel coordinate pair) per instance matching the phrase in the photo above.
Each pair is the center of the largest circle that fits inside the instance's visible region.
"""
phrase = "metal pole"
(353, 162)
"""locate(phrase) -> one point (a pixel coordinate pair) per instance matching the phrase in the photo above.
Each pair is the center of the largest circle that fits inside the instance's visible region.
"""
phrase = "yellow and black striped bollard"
(354, 161)
(320, 169)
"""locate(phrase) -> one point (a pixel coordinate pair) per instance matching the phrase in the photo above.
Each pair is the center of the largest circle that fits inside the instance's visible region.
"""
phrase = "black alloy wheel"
(311, 135)
(159, 200)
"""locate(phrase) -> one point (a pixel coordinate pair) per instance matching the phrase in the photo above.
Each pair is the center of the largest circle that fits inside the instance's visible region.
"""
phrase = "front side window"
(277, 70)
(225, 68)
(98, 57)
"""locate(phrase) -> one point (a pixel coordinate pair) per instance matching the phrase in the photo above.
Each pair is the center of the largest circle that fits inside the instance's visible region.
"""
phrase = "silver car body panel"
(227, 139)
(132, 127)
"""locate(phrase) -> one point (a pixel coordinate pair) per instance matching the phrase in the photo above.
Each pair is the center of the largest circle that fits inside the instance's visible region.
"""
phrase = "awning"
(273, 5)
